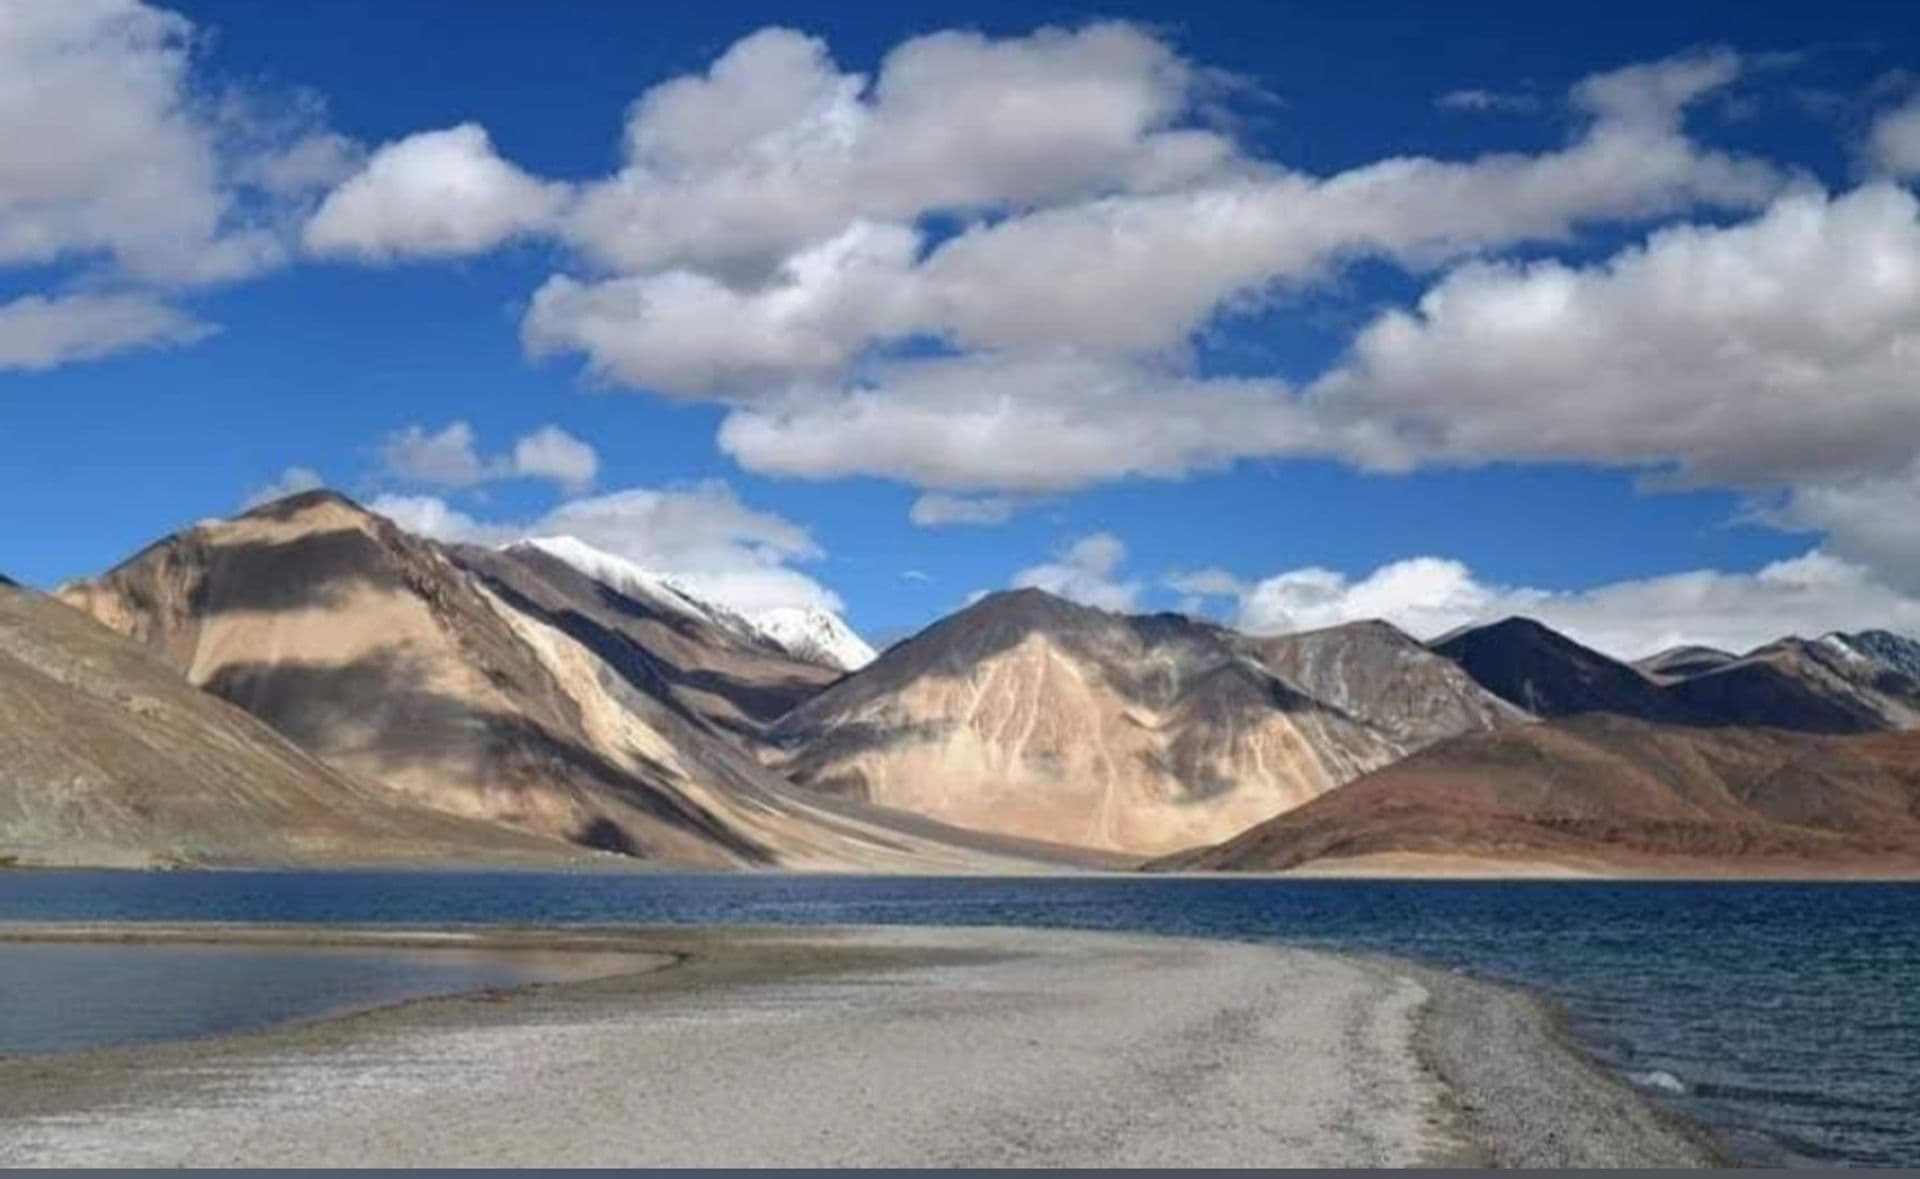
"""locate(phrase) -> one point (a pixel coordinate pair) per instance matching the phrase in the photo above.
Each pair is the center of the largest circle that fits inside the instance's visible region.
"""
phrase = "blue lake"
(1786, 1017)
(60, 997)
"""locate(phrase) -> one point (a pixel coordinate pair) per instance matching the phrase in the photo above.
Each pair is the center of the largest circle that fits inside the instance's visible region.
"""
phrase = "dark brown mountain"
(1679, 663)
(1548, 674)
(108, 757)
(485, 688)
(1611, 794)
(1828, 686)
(1028, 714)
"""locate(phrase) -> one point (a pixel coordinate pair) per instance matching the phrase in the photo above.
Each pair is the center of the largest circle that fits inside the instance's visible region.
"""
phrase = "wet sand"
(862, 1047)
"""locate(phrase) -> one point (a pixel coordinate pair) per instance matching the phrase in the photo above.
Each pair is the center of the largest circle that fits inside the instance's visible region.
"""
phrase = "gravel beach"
(866, 1047)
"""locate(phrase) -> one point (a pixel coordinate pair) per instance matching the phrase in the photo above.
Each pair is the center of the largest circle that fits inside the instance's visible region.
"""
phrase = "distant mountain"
(814, 635)
(501, 693)
(1027, 714)
(1377, 673)
(818, 636)
(1892, 652)
(682, 650)
(1678, 663)
(1610, 794)
(1839, 684)
(108, 757)
(1791, 684)
(1548, 674)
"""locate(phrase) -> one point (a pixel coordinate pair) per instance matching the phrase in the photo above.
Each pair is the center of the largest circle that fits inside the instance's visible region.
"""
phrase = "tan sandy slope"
(1028, 714)
(108, 757)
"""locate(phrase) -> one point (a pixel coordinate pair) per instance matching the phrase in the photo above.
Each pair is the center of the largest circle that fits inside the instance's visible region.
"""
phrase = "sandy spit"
(867, 1047)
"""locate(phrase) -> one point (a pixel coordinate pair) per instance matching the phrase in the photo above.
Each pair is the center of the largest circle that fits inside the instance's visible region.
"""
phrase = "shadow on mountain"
(374, 709)
(761, 703)
(318, 570)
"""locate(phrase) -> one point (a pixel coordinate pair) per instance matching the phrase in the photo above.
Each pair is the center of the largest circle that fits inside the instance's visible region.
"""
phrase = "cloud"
(1486, 100)
(129, 175)
(1139, 273)
(433, 194)
(442, 458)
(1029, 425)
(38, 333)
(1893, 144)
(142, 172)
(1084, 571)
(1211, 582)
(938, 509)
(775, 148)
(1774, 351)
(700, 534)
(1867, 518)
(682, 332)
(291, 481)
(1428, 596)
(552, 453)
(1128, 270)
(450, 457)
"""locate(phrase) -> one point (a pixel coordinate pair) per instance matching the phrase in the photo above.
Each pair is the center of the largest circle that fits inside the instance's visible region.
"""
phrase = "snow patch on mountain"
(817, 636)
(809, 634)
(1896, 652)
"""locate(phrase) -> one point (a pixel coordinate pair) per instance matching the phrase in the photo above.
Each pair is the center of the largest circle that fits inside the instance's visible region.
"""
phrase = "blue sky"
(1694, 471)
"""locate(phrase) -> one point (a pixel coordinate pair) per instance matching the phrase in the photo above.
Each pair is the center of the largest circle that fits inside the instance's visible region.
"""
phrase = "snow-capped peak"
(620, 574)
(818, 636)
(1842, 645)
(1889, 650)
(809, 634)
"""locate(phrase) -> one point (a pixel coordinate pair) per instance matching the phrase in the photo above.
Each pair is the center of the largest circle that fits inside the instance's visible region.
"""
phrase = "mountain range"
(308, 682)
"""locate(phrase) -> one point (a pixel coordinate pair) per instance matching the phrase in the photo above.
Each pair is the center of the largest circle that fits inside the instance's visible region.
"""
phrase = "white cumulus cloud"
(436, 193)
(38, 333)
(1019, 424)
(701, 534)
(684, 332)
(938, 509)
(290, 481)
(1428, 596)
(1085, 571)
(552, 453)
(776, 148)
(128, 174)
(1779, 349)
(450, 457)
(1893, 144)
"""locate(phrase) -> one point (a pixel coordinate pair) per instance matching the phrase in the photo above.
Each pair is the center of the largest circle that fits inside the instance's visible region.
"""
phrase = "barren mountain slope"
(1838, 684)
(735, 685)
(108, 757)
(1609, 793)
(1678, 663)
(1824, 686)
(809, 634)
(1030, 715)
(1377, 673)
(1548, 674)
(377, 651)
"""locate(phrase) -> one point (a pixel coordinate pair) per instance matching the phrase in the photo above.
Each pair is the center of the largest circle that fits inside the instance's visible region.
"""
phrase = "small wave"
(1659, 1080)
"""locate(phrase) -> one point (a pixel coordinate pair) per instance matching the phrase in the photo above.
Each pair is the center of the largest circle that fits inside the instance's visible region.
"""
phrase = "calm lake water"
(1786, 1017)
(60, 998)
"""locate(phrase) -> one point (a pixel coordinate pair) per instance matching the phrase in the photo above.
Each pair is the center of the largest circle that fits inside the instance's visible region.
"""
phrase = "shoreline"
(1408, 869)
(886, 1046)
